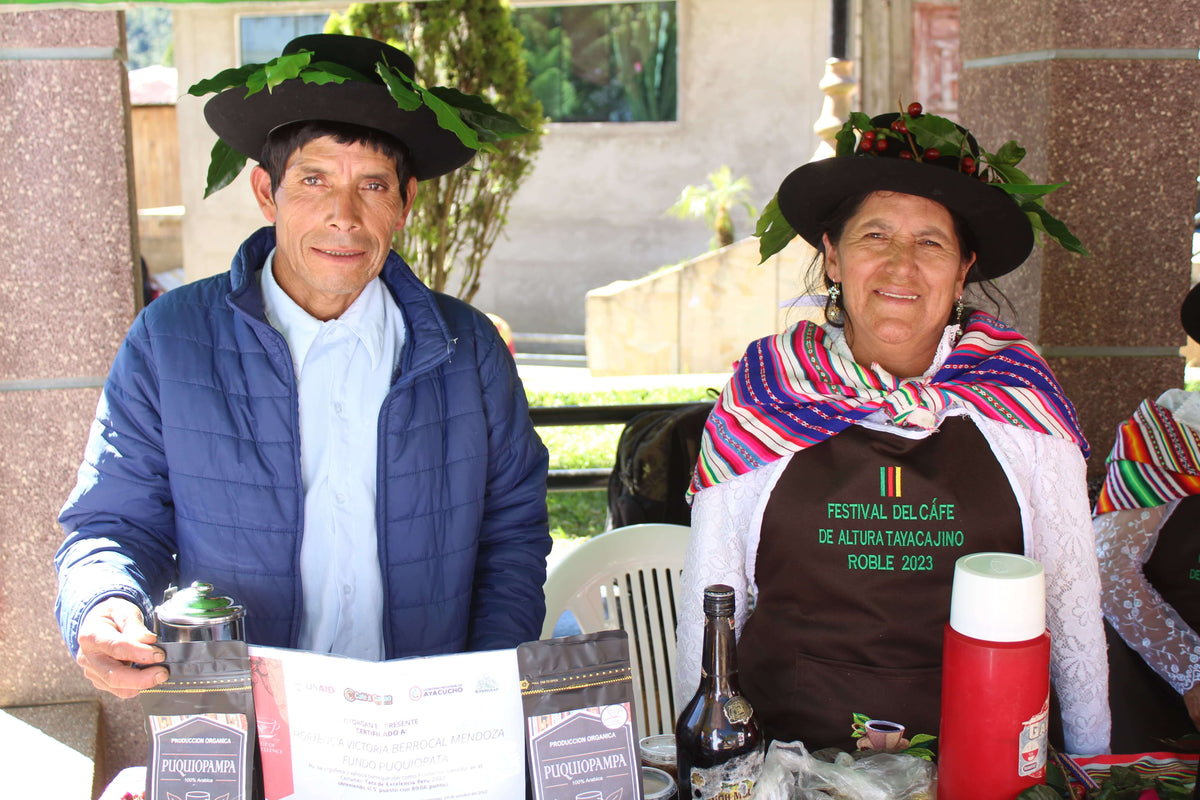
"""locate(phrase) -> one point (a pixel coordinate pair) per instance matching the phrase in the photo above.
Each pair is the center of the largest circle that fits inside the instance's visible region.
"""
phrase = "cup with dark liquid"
(884, 735)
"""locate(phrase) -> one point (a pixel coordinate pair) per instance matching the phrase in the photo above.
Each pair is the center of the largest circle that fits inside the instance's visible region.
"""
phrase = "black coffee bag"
(581, 734)
(201, 724)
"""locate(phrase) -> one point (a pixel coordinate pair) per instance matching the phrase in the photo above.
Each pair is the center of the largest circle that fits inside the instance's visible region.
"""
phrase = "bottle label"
(738, 710)
(733, 780)
(1031, 754)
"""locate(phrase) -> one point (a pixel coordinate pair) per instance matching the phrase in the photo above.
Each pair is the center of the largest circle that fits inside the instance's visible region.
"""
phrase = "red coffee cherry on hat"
(898, 126)
(968, 165)
(932, 154)
(881, 144)
(906, 155)
(914, 109)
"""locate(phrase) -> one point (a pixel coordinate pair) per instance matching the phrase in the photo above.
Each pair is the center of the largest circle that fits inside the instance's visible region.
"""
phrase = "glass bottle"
(718, 741)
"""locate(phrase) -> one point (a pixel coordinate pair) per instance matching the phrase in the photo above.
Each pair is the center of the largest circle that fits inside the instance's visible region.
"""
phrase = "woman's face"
(901, 270)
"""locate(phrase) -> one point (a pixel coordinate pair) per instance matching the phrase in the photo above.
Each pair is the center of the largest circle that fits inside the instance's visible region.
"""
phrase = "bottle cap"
(718, 601)
(998, 597)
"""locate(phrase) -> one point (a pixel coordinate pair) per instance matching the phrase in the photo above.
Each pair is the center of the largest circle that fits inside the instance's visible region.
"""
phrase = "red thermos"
(995, 680)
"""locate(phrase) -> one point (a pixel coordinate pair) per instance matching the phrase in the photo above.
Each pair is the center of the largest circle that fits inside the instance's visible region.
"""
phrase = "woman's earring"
(958, 310)
(833, 306)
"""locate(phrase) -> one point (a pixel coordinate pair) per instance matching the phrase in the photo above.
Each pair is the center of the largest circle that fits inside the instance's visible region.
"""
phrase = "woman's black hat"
(244, 122)
(1003, 236)
(1189, 313)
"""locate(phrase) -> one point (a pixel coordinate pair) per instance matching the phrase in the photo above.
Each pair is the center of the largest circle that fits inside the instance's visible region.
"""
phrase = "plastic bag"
(790, 772)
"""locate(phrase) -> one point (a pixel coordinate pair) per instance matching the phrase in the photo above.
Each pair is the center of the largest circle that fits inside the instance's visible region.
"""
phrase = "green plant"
(473, 46)
(545, 50)
(714, 203)
(643, 41)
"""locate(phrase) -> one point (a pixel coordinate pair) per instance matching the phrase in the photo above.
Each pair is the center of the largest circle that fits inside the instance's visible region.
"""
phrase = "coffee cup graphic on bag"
(884, 735)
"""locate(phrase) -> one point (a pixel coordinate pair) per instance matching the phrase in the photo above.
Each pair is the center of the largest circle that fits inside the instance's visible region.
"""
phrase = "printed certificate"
(423, 728)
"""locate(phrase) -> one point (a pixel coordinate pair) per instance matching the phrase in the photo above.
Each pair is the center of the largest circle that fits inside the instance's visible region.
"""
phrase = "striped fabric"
(791, 391)
(1154, 460)
(1179, 767)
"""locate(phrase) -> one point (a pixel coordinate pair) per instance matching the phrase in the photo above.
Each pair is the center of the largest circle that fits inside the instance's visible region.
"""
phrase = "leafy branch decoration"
(476, 123)
(921, 133)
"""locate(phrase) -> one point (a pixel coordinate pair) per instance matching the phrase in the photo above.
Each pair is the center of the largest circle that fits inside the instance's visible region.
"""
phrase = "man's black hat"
(244, 122)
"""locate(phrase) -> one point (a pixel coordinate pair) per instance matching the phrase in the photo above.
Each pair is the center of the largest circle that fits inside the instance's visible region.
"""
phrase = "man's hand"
(113, 638)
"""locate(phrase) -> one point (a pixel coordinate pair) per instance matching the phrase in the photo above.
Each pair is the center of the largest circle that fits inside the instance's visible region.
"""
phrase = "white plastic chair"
(628, 578)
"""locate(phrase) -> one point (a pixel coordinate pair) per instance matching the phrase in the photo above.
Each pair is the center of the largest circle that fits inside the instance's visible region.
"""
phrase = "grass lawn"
(582, 514)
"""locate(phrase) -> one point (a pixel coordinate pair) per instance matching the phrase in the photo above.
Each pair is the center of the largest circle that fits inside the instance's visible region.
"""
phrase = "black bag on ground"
(655, 457)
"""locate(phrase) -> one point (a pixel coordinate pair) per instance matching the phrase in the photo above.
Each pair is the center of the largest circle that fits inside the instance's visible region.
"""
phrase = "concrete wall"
(697, 316)
(592, 211)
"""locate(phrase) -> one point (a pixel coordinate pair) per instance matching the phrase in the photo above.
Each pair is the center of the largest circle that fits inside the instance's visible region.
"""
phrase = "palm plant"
(714, 202)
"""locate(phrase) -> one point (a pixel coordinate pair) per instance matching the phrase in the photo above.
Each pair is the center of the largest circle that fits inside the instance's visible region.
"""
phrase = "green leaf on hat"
(329, 72)
(930, 130)
(772, 230)
(278, 70)
(1010, 153)
(1042, 220)
(1008, 173)
(449, 120)
(1028, 191)
(225, 165)
(488, 121)
(845, 141)
(399, 87)
(860, 120)
(225, 79)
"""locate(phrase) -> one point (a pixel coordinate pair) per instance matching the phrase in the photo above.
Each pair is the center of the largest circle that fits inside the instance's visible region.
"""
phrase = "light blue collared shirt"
(344, 368)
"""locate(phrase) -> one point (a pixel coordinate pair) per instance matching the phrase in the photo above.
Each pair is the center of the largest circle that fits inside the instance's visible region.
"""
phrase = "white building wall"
(593, 209)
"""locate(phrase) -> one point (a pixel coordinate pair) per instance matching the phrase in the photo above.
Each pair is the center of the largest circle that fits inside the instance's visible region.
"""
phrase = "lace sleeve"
(717, 552)
(1048, 475)
(1125, 540)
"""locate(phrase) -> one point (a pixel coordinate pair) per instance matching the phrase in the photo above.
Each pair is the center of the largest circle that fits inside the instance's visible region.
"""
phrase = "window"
(601, 63)
(263, 38)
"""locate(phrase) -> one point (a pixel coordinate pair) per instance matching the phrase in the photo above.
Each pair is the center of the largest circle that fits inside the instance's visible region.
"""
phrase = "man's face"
(335, 211)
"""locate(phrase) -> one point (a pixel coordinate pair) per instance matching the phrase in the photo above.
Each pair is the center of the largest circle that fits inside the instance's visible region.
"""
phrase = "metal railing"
(581, 480)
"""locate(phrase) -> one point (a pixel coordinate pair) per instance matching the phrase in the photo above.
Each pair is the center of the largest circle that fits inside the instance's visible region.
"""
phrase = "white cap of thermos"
(998, 597)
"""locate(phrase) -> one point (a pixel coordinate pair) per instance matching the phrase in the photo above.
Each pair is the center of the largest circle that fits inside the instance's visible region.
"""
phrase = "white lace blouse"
(1047, 475)
(1125, 541)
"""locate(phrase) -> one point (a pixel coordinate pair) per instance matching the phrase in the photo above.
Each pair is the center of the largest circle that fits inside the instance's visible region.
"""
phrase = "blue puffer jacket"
(195, 451)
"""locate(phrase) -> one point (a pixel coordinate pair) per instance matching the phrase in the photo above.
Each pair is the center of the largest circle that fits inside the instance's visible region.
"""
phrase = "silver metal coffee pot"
(197, 614)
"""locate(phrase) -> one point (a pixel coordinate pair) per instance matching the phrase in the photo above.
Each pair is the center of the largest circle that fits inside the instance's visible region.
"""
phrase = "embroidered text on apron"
(854, 569)
(1145, 708)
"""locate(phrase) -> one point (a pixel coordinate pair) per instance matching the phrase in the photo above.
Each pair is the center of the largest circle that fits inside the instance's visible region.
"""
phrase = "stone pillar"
(68, 292)
(1106, 95)
(839, 89)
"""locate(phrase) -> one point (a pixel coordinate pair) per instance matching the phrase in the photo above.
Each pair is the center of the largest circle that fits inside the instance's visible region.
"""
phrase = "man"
(346, 453)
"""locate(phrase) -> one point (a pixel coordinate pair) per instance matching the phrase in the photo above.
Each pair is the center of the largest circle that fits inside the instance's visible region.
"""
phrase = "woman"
(1146, 520)
(822, 494)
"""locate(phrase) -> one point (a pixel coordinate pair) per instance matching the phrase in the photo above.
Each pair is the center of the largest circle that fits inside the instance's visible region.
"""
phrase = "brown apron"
(854, 569)
(1145, 708)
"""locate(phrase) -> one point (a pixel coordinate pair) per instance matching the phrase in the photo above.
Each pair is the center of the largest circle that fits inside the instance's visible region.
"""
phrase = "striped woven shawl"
(790, 392)
(1155, 459)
